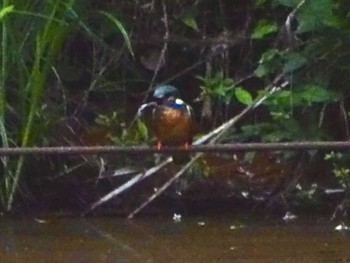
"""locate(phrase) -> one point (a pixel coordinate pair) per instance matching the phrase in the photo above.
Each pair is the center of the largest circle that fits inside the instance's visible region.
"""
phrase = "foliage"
(311, 64)
(341, 171)
(32, 39)
(27, 59)
(119, 133)
(220, 89)
(264, 28)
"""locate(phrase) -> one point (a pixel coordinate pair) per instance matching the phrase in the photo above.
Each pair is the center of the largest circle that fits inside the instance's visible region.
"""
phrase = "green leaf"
(314, 93)
(281, 102)
(316, 14)
(261, 71)
(6, 10)
(269, 55)
(269, 61)
(243, 96)
(293, 62)
(142, 130)
(264, 28)
(189, 21)
(121, 29)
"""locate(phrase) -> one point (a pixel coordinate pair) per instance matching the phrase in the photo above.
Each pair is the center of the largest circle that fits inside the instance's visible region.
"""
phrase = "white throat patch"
(179, 102)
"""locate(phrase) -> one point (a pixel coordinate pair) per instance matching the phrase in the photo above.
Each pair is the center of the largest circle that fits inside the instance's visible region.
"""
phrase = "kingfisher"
(169, 118)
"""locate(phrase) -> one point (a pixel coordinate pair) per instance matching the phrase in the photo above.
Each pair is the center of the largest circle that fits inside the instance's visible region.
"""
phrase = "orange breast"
(172, 127)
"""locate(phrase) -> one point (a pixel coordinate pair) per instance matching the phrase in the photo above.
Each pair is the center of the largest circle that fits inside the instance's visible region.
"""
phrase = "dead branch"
(164, 186)
(139, 177)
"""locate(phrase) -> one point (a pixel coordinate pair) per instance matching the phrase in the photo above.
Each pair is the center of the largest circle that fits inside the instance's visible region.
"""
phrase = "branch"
(139, 177)
(208, 148)
(164, 186)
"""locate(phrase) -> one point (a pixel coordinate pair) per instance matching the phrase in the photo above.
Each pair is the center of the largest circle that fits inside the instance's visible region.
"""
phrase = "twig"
(165, 46)
(159, 62)
(164, 186)
(291, 182)
(139, 177)
(286, 30)
(289, 20)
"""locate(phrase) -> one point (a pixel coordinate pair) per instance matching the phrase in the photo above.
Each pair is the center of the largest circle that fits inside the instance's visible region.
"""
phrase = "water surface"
(194, 239)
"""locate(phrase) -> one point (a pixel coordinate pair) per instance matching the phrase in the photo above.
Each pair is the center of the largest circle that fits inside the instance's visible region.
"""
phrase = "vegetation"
(34, 34)
(72, 72)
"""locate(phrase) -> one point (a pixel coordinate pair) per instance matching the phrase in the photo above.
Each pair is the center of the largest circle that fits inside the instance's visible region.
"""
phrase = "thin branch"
(163, 51)
(208, 148)
(139, 177)
(291, 16)
(165, 186)
(160, 61)
(286, 36)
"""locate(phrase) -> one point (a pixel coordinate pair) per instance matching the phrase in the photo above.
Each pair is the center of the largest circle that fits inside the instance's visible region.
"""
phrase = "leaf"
(314, 93)
(264, 28)
(293, 62)
(261, 71)
(243, 96)
(269, 55)
(142, 130)
(6, 10)
(121, 29)
(316, 14)
(280, 98)
(269, 61)
(313, 14)
(189, 21)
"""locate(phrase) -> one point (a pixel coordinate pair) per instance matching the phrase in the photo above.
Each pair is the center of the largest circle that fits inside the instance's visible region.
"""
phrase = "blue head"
(164, 92)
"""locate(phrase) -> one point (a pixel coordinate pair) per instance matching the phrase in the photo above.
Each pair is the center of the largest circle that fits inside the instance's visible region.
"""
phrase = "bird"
(170, 119)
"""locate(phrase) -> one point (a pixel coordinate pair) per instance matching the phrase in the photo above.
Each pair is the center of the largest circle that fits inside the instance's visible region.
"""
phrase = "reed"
(32, 36)
(30, 42)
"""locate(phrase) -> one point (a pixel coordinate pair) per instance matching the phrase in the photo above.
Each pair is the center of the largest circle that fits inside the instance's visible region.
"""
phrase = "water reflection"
(161, 240)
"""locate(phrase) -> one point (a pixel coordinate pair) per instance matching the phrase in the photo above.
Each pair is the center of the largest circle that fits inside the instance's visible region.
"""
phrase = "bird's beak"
(143, 107)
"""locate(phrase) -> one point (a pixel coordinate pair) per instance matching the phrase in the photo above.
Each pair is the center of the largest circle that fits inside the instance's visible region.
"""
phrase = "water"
(209, 239)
